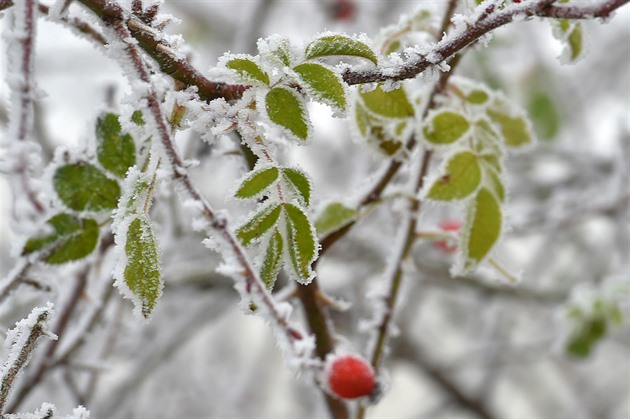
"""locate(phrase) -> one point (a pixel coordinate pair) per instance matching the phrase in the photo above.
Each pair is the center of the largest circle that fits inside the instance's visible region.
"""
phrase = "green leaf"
(116, 150)
(483, 227)
(302, 244)
(495, 183)
(391, 104)
(323, 84)
(333, 217)
(571, 33)
(333, 45)
(257, 182)
(286, 110)
(142, 272)
(515, 130)
(73, 238)
(458, 179)
(445, 127)
(83, 187)
(137, 118)
(261, 222)
(298, 181)
(276, 50)
(477, 97)
(544, 114)
(248, 70)
(273, 259)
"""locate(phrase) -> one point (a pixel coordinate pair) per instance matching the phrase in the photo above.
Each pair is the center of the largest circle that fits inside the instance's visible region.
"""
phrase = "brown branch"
(452, 44)
(171, 64)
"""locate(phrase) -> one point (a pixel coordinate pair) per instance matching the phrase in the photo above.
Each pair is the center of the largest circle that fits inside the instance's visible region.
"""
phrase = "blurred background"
(553, 347)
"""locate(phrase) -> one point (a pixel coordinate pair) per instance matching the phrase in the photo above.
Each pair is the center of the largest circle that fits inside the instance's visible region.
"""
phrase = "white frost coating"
(266, 47)
(49, 410)
(17, 338)
(134, 198)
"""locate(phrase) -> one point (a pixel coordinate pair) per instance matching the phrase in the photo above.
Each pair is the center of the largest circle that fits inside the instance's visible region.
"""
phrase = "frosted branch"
(486, 21)
(247, 280)
(21, 341)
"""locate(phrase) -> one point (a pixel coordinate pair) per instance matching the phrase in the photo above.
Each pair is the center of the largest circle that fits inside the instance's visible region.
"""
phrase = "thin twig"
(62, 324)
(19, 361)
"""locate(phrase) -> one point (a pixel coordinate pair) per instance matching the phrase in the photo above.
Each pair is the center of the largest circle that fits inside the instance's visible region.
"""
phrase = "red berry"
(350, 376)
(448, 225)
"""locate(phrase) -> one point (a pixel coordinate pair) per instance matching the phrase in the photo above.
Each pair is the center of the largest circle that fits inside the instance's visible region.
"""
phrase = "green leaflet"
(261, 222)
(445, 127)
(572, 34)
(257, 182)
(483, 227)
(278, 49)
(544, 114)
(495, 183)
(460, 177)
(142, 271)
(301, 243)
(477, 97)
(332, 45)
(83, 187)
(298, 182)
(248, 70)
(273, 259)
(323, 84)
(392, 104)
(137, 118)
(515, 130)
(582, 340)
(333, 217)
(116, 151)
(73, 239)
(286, 110)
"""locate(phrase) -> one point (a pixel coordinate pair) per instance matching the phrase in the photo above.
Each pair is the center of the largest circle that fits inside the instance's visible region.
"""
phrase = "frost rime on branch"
(21, 341)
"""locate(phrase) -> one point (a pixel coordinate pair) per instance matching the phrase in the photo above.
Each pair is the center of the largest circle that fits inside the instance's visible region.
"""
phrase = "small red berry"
(448, 226)
(350, 376)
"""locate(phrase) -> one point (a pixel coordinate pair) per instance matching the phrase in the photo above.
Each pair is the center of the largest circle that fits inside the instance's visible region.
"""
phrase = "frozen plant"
(122, 209)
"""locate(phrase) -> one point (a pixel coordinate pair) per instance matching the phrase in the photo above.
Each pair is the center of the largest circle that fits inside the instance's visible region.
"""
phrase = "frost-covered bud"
(349, 376)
